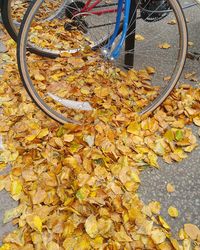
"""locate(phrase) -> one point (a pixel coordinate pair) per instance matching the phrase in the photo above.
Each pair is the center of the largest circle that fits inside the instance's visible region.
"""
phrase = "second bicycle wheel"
(12, 12)
(82, 82)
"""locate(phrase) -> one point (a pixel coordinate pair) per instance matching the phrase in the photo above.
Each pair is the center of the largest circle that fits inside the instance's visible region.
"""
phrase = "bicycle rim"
(13, 12)
(143, 97)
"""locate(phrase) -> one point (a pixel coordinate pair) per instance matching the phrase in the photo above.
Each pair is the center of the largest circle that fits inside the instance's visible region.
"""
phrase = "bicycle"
(80, 16)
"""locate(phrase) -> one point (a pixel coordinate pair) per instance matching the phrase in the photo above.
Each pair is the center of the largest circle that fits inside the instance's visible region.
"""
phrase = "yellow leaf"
(98, 241)
(187, 244)
(139, 37)
(135, 177)
(65, 54)
(104, 226)
(159, 147)
(165, 246)
(39, 77)
(5, 246)
(13, 213)
(173, 212)
(155, 207)
(122, 236)
(175, 244)
(132, 74)
(153, 159)
(82, 193)
(71, 161)
(38, 27)
(169, 134)
(172, 22)
(182, 234)
(8, 156)
(158, 236)
(150, 70)
(34, 125)
(170, 188)
(30, 137)
(196, 120)
(16, 188)
(164, 223)
(130, 186)
(123, 90)
(164, 46)
(43, 133)
(37, 222)
(91, 226)
(52, 246)
(101, 91)
(134, 128)
(56, 77)
(68, 137)
(166, 78)
(85, 90)
(58, 142)
(83, 244)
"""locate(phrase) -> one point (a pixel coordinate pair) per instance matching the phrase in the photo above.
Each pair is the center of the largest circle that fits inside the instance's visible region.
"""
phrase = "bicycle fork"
(128, 33)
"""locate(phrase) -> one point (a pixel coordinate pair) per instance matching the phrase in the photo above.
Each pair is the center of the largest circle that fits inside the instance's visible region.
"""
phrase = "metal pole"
(130, 38)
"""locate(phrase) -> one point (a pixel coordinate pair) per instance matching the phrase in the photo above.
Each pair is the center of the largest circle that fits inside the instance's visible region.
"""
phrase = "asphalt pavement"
(184, 175)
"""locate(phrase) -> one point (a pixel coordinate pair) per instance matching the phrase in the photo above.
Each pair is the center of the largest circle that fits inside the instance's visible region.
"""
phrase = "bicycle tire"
(7, 20)
(13, 31)
(21, 58)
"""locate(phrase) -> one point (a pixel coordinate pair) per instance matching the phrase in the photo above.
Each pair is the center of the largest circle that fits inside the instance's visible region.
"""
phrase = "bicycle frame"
(87, 9)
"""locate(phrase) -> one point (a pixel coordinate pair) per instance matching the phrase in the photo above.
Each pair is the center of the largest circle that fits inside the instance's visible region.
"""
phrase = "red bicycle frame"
(88, 7)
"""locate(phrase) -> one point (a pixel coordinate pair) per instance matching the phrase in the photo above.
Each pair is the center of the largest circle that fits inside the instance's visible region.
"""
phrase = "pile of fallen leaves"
(77, 184)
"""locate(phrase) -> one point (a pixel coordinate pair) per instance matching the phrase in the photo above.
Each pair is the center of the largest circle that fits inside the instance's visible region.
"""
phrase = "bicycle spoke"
(74, 83)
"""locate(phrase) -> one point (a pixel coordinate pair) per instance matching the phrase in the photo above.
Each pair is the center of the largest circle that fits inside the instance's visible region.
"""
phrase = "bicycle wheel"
(75, 86)
(12, 13)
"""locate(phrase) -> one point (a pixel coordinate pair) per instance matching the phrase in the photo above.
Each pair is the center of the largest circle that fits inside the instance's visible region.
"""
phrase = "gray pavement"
(184, 175)
(186, 198)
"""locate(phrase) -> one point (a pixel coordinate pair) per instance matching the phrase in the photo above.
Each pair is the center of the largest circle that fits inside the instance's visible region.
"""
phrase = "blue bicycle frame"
(116, 51)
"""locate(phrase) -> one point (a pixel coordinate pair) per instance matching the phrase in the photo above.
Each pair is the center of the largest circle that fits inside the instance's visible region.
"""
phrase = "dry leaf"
(192, 231)
(173, 212)
(170, 188)
(91, 226)
(196, 120)
(163, 222)
(139, 37)
(172, 22)
(158, 236)
(13, 213)
(164, 45)
(155, 207)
